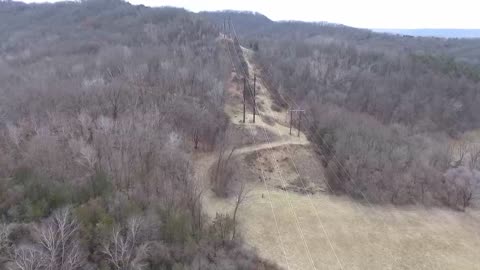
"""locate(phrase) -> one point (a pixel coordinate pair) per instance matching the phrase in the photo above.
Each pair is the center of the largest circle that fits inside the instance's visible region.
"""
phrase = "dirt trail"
(264, 146)
(362, 236)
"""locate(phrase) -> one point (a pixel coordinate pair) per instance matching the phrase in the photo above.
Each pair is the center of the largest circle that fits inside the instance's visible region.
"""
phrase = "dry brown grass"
(362, 237)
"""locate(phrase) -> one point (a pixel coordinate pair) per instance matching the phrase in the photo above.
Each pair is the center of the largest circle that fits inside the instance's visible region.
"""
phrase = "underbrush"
(388, 164)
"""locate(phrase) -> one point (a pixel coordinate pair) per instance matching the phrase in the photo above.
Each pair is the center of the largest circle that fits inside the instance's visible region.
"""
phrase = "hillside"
(292, 214)
(127, 142)
(300, 211)
(257, 26)
(382, 109)
(102, 105)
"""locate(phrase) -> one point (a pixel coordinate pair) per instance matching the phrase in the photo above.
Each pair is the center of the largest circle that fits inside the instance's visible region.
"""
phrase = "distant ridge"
(442, 33)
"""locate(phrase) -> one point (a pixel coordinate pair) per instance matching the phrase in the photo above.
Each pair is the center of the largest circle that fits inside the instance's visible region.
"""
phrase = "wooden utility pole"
(244, 92)
(299, 120)
(254, 96)
(225, 27)
(291, 120)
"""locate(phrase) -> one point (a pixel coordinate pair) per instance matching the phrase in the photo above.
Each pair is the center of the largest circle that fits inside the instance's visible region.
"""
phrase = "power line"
(350, 179)
(268, 193)
(288, 197)
(308, 195)
(297, 223)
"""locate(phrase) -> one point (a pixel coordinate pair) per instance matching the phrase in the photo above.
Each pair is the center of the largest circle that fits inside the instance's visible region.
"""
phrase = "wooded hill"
(382, 109)
(101, 105)
(258, 26)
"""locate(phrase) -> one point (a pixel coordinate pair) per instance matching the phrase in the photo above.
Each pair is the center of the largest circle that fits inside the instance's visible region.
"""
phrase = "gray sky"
(358, 13)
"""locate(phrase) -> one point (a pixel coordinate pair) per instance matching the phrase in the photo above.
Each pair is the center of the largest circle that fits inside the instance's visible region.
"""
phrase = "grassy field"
(362, 237)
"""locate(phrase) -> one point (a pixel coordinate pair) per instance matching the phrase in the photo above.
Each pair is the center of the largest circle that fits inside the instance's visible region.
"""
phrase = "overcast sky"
(357, 13)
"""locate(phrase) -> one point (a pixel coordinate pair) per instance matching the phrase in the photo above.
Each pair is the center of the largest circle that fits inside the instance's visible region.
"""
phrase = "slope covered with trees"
(382, 109)
(101, 105)
(255, 26)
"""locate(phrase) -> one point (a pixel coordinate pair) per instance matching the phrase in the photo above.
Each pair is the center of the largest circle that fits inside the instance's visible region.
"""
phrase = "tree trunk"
(235, 221)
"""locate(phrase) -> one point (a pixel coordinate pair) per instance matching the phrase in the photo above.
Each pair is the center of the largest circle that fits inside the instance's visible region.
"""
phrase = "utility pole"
(254, 96)
(229, 26)
(224, 27)
(244, 91)
(291, 120)
(299, 120)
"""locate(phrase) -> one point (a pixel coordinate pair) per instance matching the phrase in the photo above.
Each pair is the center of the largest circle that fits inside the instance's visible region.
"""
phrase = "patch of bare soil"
(244, 135)
(301, 171)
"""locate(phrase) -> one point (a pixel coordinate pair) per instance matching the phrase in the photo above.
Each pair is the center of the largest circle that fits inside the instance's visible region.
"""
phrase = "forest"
(101, 106)
(382, 109)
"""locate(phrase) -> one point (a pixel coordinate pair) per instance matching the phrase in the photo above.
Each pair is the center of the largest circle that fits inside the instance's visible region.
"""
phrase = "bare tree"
(223, 172)
(460, 184)
(27, 258)
(5, 244)
(460, 150)
(124, 250)
(59, 242)
(196, 137)
(474, 157)
(57, 246)
(222, 227)
(114, 94)
(240, 197)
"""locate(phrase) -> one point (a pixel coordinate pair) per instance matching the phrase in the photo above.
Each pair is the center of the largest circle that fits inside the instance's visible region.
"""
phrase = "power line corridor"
(306, 231)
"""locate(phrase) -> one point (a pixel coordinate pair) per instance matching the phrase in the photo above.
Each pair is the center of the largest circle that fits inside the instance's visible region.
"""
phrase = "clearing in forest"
(304, 227)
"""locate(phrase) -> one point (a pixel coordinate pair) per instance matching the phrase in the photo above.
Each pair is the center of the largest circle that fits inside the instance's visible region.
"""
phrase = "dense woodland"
(256, 27)
(382, 109)
(101, 106)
